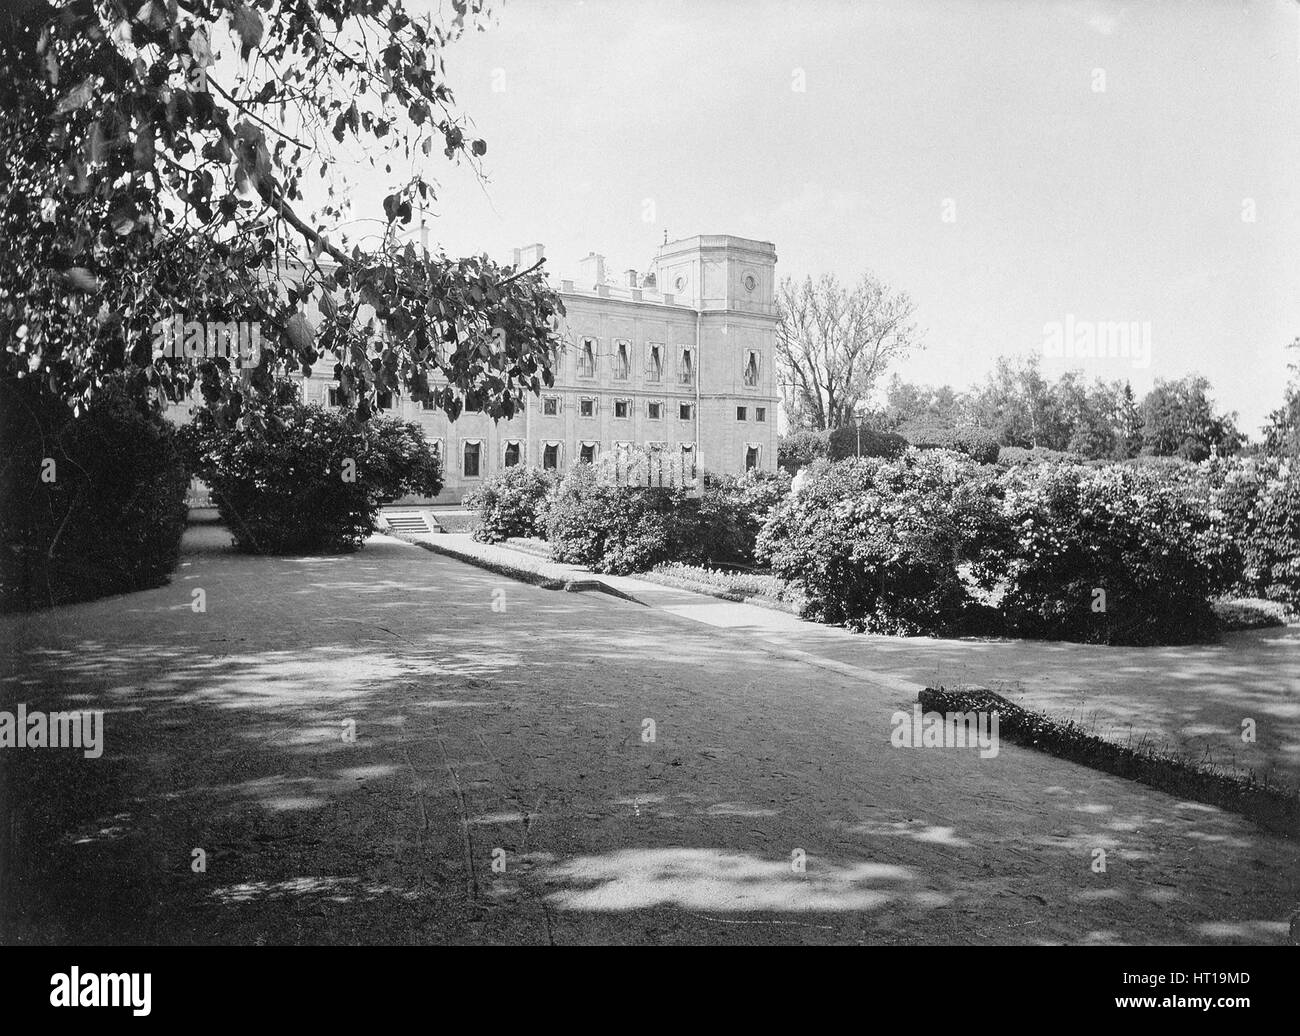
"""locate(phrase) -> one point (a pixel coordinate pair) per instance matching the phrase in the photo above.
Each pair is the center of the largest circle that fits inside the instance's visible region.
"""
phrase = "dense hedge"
(802, 448)
(1008, 456)
(296, 478)
(1257, 504)
(512, 502)
(886, 545)
(106, 518)
(975, 443)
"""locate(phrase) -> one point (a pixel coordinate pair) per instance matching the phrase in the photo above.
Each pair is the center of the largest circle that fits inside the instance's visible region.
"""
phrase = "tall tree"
(153, 157)
(1179, 420)
(834, 343)
(1282, 433)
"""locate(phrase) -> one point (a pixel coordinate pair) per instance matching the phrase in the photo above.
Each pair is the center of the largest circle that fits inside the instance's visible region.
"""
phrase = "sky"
(1011, 165)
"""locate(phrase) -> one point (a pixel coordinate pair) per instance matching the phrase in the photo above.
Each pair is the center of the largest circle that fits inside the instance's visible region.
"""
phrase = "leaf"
(300, 333)
(480, 147)
(81, 279)
(77, 97)
(247, 23)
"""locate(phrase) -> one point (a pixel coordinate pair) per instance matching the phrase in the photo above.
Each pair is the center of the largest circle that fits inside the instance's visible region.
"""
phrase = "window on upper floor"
(587, 359)
(586, 407)
(622, 409)
(684, 411)
(622, 362)
(760, 414)
(655, 364)
(751, 370)
(685, 371)
(654, 411)
(550, 406)
(742, 413)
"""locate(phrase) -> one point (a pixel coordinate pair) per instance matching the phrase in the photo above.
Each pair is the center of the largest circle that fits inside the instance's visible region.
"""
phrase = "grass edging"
(1270, 806)
(677, 583)
(499, 568)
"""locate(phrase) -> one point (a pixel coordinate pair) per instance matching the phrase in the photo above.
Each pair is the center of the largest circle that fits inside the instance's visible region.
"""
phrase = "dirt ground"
(505, 783)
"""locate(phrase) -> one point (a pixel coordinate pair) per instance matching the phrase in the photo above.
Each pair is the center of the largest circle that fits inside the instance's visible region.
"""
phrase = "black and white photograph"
(727, 473)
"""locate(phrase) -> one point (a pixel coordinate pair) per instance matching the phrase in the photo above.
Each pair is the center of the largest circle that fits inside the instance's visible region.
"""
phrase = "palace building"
(677, 360)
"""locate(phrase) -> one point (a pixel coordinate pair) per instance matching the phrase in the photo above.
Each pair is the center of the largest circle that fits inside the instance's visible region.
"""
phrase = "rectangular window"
(742, 413)
(622, 408)
(587, 359)
(655, 368)
(684, 411)
(428, 404)
(654, 411)
(622, 365)
(760, 414)
(512, 454)
(586, 408)
(751, 457)
(688, 462)
(684, 371)
(334, 396)
(384, 399)
(587, 455)
(470, 468)
(550, 406)
(551, 456)
(751, 370)
(472, 405)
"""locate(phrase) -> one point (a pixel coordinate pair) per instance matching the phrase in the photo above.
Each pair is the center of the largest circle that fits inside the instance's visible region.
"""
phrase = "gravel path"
(501, 784)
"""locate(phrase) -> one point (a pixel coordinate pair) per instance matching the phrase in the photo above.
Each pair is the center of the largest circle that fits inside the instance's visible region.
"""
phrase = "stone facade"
(681, 356)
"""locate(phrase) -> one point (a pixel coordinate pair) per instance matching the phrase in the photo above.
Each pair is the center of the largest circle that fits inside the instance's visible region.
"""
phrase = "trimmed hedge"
(801, 449)
(106, 518)
(296, 478)
(975, 443)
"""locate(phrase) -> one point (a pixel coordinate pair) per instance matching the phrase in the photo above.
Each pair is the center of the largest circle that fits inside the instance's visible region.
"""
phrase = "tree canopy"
(153, 159)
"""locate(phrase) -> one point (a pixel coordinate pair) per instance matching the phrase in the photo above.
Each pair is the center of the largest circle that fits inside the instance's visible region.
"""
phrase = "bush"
(1123, 530)
(975, 443)
(880, 545)
(595, 521)
(1259, 501)
(111, 516)
(730, 512)
(1009, 456)
(803, 448)
(855, 441)
(295, 478)
(513, 502)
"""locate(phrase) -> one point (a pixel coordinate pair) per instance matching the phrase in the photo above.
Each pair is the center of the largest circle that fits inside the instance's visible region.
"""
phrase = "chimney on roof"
(529, 255)
(593, 270)
(631, 279)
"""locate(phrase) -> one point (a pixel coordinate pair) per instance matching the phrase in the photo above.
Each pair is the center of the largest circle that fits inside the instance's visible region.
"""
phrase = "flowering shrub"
(975, 443)
(513, 502)
(729, 514)
(1130, 534)
(1258, 503)
(293, 477)
(801, 448)
(594, 520)
(1012, 455)
(877, 544)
